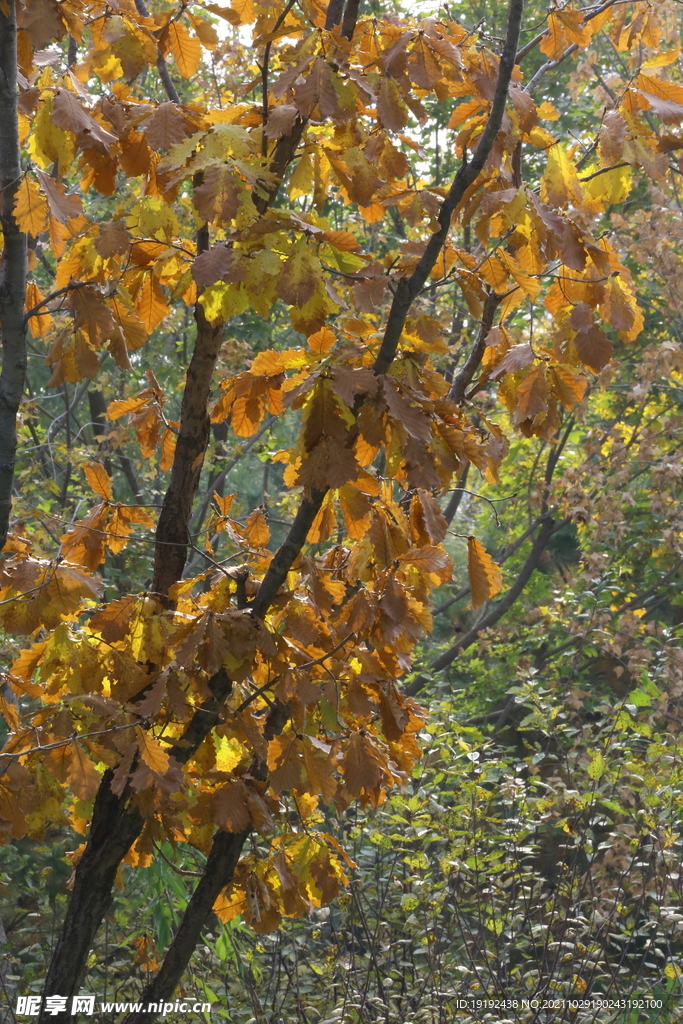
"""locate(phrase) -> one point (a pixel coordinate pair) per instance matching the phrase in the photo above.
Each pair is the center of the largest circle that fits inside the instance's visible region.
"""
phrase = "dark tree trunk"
(13, 268)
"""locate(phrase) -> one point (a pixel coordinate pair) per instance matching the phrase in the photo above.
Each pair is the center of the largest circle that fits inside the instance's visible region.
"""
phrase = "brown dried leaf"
(360, 765)
(229, 807)
(165, 127)
(593, 348)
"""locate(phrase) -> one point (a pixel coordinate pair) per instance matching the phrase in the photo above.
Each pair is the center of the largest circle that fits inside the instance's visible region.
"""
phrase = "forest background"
(340, 441)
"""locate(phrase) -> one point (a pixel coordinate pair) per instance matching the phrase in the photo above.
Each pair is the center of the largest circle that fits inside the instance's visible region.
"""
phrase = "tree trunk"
(220, 866)
(193, 437)
(115, 827)
(13, 268)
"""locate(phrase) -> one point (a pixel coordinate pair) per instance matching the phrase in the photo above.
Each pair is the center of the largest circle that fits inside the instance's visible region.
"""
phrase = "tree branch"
(464, 377)
(162, 67)
(284, 557)
(454, 504)
(198, 516)
(548, 527)
(351, 12)
(406, 292)
(334, 14)
(409, 288)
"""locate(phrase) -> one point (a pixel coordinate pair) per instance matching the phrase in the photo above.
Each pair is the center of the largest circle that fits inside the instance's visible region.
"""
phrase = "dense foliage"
(362, 327)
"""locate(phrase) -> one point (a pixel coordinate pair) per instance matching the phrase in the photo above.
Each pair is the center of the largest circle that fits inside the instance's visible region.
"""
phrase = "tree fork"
(13, 268)
(220, 867)
(116, 824)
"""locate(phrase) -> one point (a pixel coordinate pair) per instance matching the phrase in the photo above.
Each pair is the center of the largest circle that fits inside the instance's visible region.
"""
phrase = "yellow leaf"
(298, 279)
(301, 181)
(48, 143)
(41, 321)
(620, 308)
(597, 766)
(531, 286)
(186, 49)
(484, 573)
(244, 9)
(10, 712)
(98, 478)
(556, 40)
(270, 363)
(547, 112)
(258, 533)
(151, 752)
(224, 503)
(229, 753)
(610, 187)
(663, 60)
(560, 183)
(119, 408)
(31, 211)
(567, 386)
(564, 28)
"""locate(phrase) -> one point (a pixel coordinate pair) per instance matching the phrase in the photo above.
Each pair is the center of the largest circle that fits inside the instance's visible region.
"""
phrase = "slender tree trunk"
(193, 437)
(220, 866)
(7, 987)
(13, 268)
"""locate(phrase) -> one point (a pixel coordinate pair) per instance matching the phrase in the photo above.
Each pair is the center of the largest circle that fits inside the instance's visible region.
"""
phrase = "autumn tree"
(416, 245)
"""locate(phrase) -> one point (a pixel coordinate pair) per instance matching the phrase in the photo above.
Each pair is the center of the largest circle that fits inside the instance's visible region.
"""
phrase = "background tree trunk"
(13, 268)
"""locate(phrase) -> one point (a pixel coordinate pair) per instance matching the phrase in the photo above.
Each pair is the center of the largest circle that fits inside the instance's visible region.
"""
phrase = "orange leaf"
(150, 303)
(428, 558)
(224, 503)
(258, 533)
(484, 573)
(322, 341)
(151, 752)
(98, 478)
(186, 49)
(30, 208)
(168, 443)
(229, 807)
(83, 776)
(362, 770)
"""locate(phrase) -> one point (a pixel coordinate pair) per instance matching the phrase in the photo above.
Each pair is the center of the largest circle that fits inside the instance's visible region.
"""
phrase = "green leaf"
(597, 767)
(639, 698)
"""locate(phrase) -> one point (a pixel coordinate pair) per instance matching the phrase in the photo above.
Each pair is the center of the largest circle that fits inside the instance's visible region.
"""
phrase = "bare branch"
(548, 527)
